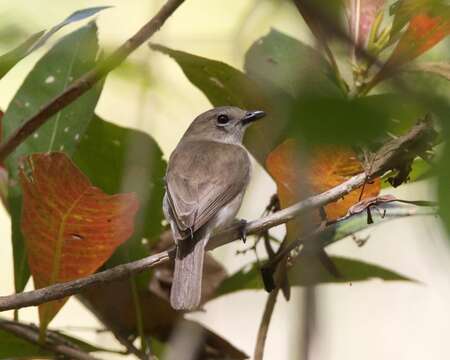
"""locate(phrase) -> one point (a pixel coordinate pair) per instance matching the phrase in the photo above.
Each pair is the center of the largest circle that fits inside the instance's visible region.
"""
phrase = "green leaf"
(309, 271)
(225, 85)
(286, 63)
(74, 17)
(118, 159)
(334, 120)
(11, 58)
(321, 112)
(12, 346)
(247, 278)
(71, 57)
(34, 42)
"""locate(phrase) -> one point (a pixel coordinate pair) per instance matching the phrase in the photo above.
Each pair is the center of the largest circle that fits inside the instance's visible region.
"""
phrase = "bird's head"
(223, 124)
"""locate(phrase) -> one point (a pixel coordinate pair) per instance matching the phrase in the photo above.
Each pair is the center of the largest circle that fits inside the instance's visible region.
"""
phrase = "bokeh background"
(369, 320)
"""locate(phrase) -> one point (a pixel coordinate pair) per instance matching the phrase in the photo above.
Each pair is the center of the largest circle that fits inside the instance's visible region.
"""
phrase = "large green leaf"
(321, 112)
(310, 271)
(225, 85)
(288, 64)
(71, 57)
(118, 159)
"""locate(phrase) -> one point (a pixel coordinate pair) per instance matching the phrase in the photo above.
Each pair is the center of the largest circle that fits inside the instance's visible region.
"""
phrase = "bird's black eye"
(222, 119)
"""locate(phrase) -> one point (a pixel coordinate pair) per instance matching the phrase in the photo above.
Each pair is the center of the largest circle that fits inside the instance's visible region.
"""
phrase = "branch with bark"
(88, 80)
(391, 157)
(51, 343)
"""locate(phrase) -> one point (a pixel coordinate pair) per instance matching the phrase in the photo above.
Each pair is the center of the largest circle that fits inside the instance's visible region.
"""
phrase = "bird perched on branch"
(206, 178)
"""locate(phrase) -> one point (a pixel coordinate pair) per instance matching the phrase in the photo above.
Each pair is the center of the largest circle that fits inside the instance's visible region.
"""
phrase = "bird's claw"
(243, 230)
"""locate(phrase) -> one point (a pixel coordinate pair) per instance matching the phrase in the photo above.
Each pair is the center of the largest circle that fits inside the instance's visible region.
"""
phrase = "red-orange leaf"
(70, 227)
(328, 167)
(424, 31)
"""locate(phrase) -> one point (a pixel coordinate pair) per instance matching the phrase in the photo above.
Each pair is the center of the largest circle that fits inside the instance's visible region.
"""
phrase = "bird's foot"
(243, 230)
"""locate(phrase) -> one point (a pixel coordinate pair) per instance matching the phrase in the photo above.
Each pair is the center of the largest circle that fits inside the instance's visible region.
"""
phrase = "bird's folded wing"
(204, 176)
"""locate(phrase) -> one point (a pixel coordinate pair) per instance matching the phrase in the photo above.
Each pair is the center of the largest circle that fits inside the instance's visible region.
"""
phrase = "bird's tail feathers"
(186, 288)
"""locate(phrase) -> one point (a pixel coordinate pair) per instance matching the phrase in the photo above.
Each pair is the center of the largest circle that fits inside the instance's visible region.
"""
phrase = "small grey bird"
(206, 178)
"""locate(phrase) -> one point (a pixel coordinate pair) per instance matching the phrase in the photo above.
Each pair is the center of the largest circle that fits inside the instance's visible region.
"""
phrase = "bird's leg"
(243, 229)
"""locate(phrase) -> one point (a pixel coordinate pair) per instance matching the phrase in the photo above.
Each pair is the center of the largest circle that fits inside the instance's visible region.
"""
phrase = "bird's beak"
(251, 116)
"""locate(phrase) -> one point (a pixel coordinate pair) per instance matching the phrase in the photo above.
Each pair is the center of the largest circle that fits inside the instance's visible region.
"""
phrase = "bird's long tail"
(187, 279)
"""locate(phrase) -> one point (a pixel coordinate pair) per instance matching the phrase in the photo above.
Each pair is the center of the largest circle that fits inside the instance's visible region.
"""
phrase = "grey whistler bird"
(206, 178)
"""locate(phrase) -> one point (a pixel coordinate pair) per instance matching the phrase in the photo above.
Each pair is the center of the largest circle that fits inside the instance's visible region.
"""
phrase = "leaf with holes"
(71, 57)
(70, 227)
(328, 167)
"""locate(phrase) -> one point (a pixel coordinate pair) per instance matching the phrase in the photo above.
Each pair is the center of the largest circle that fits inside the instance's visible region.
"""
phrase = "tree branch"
(88, 80)
(31, 334)
(265, 322)
(386, 159)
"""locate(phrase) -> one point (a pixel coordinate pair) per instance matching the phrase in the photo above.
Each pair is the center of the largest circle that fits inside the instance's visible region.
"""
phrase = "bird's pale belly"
(227, 213)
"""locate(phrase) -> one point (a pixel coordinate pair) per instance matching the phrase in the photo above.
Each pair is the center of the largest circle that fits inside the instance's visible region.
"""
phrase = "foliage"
(72, 56)
(74, 223)
(84, 193)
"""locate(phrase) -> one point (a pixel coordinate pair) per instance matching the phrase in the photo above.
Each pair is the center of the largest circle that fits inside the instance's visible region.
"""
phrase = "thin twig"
(88, 80)
(31, 334)
(265, 322)
(389, 157)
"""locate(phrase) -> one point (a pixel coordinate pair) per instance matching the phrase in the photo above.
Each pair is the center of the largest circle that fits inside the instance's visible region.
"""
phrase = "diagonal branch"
(88, 80)
(392, 156)
(31, 334)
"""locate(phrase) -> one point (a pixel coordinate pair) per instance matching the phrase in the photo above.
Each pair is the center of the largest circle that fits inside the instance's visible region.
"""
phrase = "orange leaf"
(424, 31)
(70, 227)
(328, 167)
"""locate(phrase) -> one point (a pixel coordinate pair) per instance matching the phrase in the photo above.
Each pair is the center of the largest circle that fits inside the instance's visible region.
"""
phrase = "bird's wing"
(202, 177)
